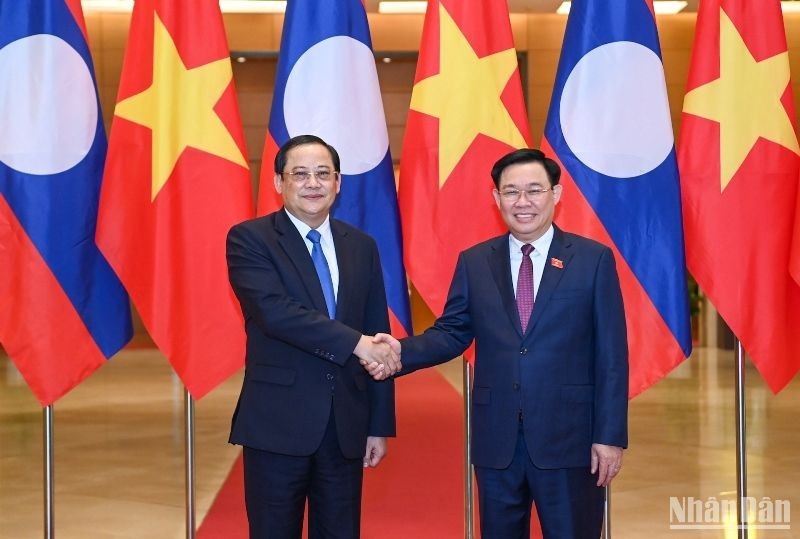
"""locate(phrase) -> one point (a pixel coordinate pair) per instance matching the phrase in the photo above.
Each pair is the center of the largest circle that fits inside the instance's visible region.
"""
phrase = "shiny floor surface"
(119, 453)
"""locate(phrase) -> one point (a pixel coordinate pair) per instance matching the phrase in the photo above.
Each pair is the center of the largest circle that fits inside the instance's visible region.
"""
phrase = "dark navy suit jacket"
(299, 361)
(567, 372)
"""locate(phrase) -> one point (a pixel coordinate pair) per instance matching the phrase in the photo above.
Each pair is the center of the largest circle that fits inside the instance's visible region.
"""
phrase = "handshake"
(379, 355)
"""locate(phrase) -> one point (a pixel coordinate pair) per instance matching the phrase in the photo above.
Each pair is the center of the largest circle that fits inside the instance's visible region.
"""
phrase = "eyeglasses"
(513, 195)
(302, 176)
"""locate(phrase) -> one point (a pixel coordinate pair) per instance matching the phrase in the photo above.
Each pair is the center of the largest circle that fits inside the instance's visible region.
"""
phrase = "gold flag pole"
(49, 481)
(189, 452)
(468, 497)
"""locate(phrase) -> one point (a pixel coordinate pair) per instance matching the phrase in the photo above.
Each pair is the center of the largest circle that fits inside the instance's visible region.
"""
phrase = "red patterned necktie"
(525, 287)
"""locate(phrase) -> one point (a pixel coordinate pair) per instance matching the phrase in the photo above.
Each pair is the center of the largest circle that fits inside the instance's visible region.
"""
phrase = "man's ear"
(496, 196)
(557, 193)
(278, 180)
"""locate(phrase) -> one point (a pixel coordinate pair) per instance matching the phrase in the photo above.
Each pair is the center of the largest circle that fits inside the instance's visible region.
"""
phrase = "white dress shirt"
(326, 242)
(538, 256)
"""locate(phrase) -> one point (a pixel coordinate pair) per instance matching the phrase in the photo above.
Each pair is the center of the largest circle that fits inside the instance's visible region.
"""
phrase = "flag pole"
(189, 450)
(48, 473)
(468, 497)
(741, 444)
(607, 515)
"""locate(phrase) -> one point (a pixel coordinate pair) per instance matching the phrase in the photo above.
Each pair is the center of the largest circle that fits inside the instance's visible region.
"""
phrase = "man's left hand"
(606, 463)
(376, 449)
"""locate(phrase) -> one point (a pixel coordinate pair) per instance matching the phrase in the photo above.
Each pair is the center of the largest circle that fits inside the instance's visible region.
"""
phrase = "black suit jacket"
(299, 362)
(567, 372)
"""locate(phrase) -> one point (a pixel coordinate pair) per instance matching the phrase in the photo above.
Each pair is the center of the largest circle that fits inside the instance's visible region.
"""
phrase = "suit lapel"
(295, 246)
(560, 249)
(501, 270)
(347, 276)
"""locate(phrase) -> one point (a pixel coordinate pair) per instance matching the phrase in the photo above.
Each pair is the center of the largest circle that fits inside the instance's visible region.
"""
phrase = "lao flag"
(327, 85)
(63, 312)
(609, 126)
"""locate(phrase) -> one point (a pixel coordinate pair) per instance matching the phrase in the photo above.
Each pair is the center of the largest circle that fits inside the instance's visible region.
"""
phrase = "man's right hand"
(374, 369)
(378, 357)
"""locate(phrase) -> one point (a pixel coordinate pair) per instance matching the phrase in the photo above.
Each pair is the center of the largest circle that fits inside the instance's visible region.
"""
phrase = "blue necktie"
(323, 271)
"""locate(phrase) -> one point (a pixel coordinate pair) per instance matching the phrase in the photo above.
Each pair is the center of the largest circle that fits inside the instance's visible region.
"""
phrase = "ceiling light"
(402, 7)
(661, 7)
(227, 6)
(790, 7)
(252, 6)
(668, 7)
(108, 5)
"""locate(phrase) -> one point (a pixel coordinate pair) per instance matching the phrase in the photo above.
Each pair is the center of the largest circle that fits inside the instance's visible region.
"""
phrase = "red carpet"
(417, 491)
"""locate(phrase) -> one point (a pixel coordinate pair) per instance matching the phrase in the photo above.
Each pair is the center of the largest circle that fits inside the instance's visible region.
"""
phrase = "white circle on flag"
(48, 111)
(614, 110)
(332, 92)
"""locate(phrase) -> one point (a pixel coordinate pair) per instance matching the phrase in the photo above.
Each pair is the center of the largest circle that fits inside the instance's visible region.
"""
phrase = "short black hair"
(526, 155)
(300, 140)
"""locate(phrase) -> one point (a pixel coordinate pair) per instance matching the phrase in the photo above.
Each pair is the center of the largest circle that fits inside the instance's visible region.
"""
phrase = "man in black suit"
(550, 393)
(309, 416)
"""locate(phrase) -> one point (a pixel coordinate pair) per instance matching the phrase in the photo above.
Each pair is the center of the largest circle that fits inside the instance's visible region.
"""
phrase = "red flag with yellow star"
(176, 179)
(467, 111)
(739, 161)
(795, 260)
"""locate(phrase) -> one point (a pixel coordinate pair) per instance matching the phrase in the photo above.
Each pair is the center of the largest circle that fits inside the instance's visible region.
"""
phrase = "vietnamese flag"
(739, 161)
(795, 260)
(466, 112)
(176, 179)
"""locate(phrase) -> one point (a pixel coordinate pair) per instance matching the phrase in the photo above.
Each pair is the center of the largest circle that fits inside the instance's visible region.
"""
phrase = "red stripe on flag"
(397, 329)
(268, 198)
(40, 312)
(652, 349)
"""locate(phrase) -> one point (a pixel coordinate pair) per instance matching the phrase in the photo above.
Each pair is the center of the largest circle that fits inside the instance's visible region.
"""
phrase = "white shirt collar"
(324, 229)
(541, 245)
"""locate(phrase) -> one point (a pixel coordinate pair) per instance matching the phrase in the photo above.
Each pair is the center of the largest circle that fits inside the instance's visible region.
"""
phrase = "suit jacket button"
(329, 376)
(523, 351)
(516, 386)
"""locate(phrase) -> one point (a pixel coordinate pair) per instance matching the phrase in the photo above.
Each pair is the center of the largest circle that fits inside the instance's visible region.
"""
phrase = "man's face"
(310, 199)
(527, 216)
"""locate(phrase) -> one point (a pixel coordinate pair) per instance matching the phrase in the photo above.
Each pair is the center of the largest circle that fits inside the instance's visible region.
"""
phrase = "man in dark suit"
(549, 396)
(309, 416)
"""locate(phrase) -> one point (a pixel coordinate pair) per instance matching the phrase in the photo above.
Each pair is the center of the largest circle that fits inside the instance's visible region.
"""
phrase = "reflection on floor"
(120, 472)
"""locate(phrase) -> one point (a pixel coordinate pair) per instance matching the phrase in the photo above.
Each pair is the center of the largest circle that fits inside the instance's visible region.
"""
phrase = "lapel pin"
(556, 263)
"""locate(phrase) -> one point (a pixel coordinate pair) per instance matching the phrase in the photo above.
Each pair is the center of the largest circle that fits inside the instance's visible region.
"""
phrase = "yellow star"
(465, 96)
(745, 100)
(179, 108)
